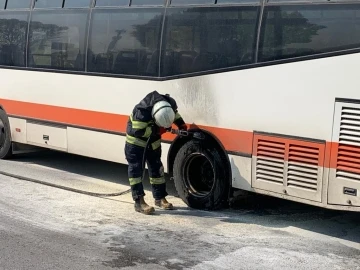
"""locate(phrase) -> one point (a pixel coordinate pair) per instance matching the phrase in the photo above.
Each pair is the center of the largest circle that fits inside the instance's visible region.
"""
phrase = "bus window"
(191, 2)
(13, 28)
(125, 41)
(48, 3)
(57, 39)
(296, 31)
(202, 39)
(112, 3)
(147, 2)
(13, 4)
(77, 3)
(219, 2)
(297, 1)
(2, 4)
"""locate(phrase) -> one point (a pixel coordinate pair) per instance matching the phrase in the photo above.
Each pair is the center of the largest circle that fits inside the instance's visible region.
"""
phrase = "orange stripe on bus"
(333, 158)
(287, 149)
(232, 140)
(329, 146)
(85, 118)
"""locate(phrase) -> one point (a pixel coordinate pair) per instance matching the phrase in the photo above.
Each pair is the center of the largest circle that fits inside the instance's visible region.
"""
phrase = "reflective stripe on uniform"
(132, 140)
(177, 116)
(148, 132)
(157, 181)
(134, 181)
(156, 144)
(138, 124)
(135, 141)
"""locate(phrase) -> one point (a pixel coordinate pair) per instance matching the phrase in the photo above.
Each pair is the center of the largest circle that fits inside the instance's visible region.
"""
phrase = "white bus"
(272, 84)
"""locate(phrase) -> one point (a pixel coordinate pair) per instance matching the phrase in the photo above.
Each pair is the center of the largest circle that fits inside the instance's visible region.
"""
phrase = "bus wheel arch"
(201, 171)
(5, 135)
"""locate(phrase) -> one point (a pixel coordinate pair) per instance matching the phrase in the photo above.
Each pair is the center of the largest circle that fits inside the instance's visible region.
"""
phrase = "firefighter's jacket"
(141, 125)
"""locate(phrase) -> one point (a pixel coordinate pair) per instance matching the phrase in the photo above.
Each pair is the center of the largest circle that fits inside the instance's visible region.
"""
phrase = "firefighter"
(151, 117)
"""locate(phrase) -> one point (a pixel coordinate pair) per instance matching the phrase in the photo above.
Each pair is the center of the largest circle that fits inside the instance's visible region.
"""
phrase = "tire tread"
(215, 200)
(6, 151)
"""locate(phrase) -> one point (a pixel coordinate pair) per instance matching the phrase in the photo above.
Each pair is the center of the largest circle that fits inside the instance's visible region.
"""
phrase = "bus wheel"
(5, 136)
(200, 176)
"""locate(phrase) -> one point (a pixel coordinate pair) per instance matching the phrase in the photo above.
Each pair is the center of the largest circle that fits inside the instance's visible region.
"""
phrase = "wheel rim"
(199, 175)
(2, 134)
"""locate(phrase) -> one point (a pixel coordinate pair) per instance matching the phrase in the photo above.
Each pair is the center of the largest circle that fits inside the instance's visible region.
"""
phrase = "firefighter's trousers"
(134, 157)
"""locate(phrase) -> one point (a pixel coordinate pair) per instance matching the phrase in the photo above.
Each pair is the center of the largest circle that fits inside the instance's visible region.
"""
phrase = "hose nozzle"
(184, 133)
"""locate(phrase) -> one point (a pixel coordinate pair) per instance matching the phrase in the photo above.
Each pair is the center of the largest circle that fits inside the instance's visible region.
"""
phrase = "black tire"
(200, 176)
(5, 136)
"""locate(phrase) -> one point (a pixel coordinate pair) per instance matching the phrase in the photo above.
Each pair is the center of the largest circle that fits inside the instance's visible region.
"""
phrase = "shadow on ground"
(247, 208)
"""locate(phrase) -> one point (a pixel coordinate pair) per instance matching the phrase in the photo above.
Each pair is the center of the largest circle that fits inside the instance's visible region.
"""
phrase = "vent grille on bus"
(270, 161)
(350, 126)
(303, 167)
(348, 157)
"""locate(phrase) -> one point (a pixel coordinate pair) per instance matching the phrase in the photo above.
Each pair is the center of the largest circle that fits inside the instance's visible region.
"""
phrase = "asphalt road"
(43, 227)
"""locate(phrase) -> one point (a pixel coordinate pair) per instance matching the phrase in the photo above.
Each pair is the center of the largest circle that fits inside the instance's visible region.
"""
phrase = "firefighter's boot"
(142, 207)
(164, 204)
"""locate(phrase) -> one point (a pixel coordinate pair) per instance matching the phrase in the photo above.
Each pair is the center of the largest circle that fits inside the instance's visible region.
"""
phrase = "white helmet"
(163, 114)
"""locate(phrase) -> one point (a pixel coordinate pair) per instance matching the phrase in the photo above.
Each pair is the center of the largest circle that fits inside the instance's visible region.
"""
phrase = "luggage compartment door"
(344, 176)
(53, 137)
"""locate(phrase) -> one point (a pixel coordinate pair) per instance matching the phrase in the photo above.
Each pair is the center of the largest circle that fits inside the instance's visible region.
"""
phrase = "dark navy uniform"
(140, 127)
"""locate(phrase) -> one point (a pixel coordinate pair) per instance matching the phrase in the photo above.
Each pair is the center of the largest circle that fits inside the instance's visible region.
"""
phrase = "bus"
(270, 85)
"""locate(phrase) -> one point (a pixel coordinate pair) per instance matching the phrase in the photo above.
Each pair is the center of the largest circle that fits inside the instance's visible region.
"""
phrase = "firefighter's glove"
(154, 130)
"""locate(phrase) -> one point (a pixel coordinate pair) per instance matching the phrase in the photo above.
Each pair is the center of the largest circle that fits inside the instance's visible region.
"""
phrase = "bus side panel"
(18, 130)
(344, 178)
(96, 144)
(102, 145)
(48, 136)
(241, 172)
(289, 166)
